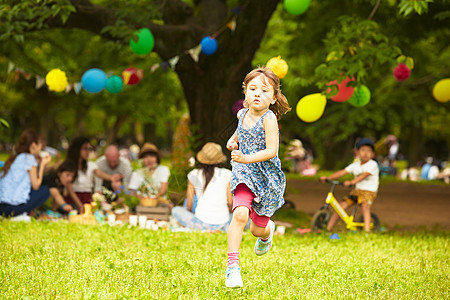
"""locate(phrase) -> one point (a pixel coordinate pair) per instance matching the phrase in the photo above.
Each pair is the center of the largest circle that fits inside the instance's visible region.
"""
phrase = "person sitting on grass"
(21, 189)
(211, 184)
(57, 182)
(152, 179)
(80, 191)
(366, 181)
(112, 163)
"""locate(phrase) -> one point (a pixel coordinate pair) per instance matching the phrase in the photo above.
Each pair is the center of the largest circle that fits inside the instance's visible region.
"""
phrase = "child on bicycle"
(366, 181)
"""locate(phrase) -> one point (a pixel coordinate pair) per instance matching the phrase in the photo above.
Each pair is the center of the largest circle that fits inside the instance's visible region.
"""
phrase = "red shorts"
(243, 196)
(85, 198)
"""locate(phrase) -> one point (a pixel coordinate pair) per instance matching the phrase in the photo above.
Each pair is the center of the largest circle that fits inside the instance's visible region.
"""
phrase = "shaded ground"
(399, 205)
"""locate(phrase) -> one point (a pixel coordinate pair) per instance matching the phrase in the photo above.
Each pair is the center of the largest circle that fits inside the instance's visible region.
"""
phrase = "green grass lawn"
(46, 260)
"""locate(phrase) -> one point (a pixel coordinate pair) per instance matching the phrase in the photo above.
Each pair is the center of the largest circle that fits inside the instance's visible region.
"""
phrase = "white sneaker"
(23, 217)
(233, 277)
(261, 247)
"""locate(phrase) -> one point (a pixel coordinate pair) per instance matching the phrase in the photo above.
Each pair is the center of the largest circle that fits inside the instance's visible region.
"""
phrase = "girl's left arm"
(271, 130)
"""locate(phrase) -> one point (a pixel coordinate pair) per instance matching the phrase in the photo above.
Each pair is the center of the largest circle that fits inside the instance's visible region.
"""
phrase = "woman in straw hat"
(152, 180)
(211, 185)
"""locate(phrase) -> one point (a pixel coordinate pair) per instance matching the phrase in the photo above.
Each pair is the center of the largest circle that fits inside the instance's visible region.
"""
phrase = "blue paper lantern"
(114, 84)
(93, 80)
(208, 45)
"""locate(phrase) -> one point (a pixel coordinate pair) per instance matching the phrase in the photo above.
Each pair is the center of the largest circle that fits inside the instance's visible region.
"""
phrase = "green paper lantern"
(360, 97)
(114, 84)
(144, 43)
(296, 7)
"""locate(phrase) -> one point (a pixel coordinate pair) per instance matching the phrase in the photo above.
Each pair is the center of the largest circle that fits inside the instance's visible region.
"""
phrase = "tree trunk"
(414, 147)
(80, 114)
(112, 132)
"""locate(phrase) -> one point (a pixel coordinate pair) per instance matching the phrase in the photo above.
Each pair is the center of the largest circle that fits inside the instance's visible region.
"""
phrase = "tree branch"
(178, 17)
(374, 10)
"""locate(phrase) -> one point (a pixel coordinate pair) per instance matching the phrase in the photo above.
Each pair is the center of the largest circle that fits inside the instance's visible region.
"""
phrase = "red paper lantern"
(401, 72)
(132, 76)
(344, 91)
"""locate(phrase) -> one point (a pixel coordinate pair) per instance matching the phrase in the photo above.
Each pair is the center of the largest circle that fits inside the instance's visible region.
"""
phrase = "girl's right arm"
(35, 178)
(56, 195)
(75, 198)
(190, 196)
(232, 143)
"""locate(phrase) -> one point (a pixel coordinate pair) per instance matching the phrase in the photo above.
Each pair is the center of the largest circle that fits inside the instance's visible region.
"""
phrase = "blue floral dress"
(265, 179)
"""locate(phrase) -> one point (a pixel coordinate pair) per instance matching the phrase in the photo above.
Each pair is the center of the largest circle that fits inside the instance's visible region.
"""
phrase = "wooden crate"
(160, 212)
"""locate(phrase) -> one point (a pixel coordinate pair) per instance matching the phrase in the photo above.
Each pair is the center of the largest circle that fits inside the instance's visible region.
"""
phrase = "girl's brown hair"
(27, 137)
(281, 106)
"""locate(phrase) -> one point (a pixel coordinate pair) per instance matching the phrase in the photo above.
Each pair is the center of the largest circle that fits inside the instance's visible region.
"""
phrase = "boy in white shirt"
(366, 181)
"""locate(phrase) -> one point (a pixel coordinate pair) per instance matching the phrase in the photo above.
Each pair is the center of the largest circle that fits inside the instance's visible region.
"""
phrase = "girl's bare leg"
(262, 232)
(236, 229)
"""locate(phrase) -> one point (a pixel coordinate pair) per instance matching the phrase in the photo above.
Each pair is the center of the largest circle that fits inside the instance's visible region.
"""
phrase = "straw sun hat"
(149, 148)
(211, 154)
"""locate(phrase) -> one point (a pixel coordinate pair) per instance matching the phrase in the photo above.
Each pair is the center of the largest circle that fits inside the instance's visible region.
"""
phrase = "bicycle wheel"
(320, 219)
(375, 221)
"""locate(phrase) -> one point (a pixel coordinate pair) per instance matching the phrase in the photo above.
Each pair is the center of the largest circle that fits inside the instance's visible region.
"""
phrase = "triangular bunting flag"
(232, 24)
(40, 81)
(26, 75)
(77, 87)
(164, 65)
(126, 77)
(194, 52)
(69, 88)
(173, 61)
(10, 67)
(154, 67)
(237, 10)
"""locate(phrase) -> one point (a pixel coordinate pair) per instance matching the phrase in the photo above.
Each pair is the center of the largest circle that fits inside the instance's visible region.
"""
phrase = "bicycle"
(322, 216)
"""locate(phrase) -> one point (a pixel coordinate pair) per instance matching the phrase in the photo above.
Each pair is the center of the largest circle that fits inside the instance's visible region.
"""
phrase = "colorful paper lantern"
(132, 76)
(93, 80)
(278, 66)
(208, 45)
(145, 42)
(296, 7)
(114, 84)
(360, 97)
(56, 80)
(344, 91)
(441, 90)
(401, 72)
(311, 107)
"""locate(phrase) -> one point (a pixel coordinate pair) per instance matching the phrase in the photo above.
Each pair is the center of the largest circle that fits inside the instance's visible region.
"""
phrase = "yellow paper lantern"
(311, 107)
(441, 90)
(56, 80)
(278, 66)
